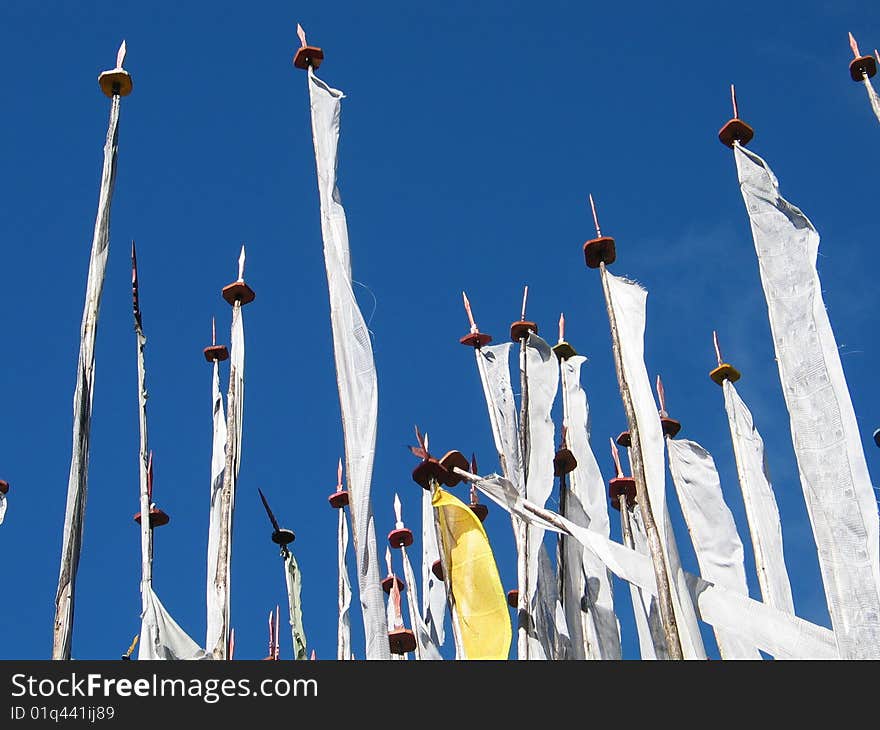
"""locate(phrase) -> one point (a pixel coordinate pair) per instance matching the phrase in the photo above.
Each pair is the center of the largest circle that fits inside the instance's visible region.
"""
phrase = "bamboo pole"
(524, 618)
(115, 84)
(667, 613)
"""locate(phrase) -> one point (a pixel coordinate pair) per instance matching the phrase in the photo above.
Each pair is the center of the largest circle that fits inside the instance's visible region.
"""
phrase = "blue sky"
(471, 136)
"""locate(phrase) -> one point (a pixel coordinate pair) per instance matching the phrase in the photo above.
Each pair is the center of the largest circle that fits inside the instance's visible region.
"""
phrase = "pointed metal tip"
(120, 55)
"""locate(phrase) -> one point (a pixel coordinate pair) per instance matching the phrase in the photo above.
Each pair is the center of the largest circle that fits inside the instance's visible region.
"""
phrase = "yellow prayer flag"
(480, 601)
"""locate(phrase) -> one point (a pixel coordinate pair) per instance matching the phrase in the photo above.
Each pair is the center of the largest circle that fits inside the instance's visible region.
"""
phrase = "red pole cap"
(401, 641)
(401, 537)
(216, 352)
(475, 339)
(157, 518)
(625, 486)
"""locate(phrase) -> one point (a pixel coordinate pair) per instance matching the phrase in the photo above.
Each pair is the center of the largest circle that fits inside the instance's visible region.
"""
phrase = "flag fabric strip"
(628, 302)
(778, 633)
(827, 442)
(355, 368)
(588, 597)
(717, 545)
(77, 485)
(762, 511)
(293, 578)
(214, 599)
(480, 602)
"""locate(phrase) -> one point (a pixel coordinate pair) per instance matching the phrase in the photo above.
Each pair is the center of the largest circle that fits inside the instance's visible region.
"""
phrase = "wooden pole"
(522, 562)
(661, 574)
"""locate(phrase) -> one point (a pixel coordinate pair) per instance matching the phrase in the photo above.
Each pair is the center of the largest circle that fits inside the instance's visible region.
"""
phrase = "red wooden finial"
(400, 536)
(616, 456)
(620, 485)
(239, 291)
(470, 314)
(861, 67)
(854, 46)
(156, 517)
(339, 498)
(736, 130)
(215, 352)
(520, 329)
(474, 338)
(661, 394)
(306, 55)
(601, 249)
(669, 425)
(595, 217)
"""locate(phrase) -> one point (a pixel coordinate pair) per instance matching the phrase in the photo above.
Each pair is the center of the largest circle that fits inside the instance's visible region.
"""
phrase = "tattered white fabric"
(646, 609)
(433, 589)
(552, 639)
(222, 573)
(779, 634)
(494, 367)
(587, 597)
(77, 484)
(493, 364)
(293, 577)
(2, 507)
(146, 529)
(161, 637)
(355, 369)
(717, 545)
(343, 629)
(425, 647)
(542, 374)
(760, 502)
(872, 97)
(827, 442)
(214, 598)
(628, 300)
